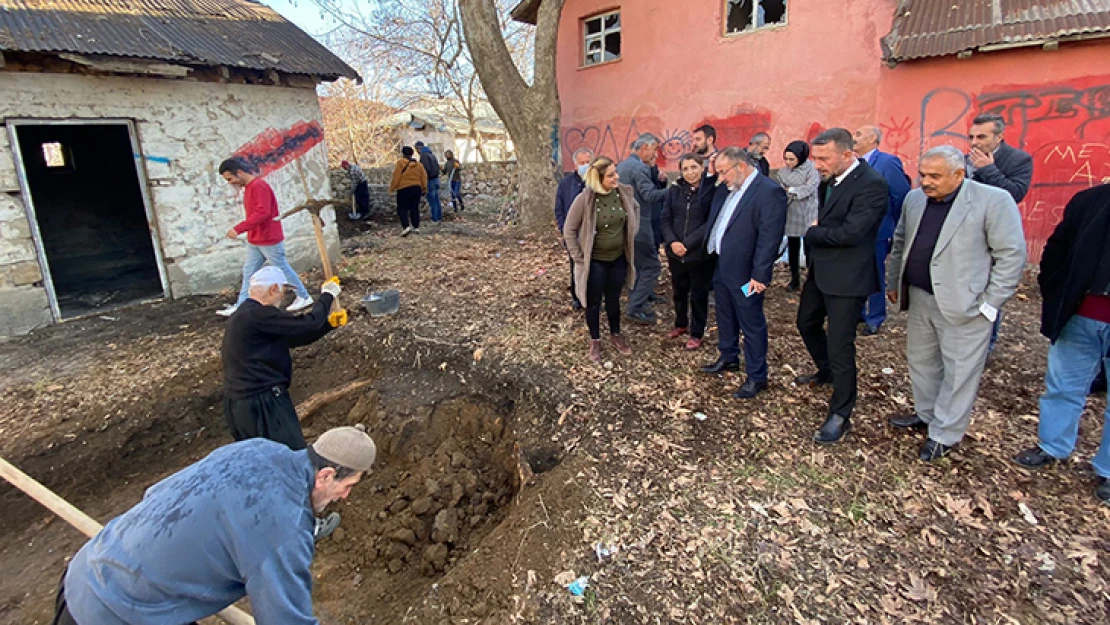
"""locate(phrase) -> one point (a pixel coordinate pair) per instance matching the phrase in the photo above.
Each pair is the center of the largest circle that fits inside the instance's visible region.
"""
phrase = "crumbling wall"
(184, 130)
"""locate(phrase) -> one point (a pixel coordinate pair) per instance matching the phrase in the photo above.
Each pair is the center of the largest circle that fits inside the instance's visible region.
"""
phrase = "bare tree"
(355, 124)
(530, 112)
(423, 42)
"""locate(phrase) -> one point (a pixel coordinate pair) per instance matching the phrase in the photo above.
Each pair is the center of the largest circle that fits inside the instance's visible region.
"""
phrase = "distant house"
(117, 116)
(441, 127)
(921, 69)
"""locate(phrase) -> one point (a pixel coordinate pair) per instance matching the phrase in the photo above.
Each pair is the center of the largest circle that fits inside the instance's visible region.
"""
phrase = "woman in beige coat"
(599, 232)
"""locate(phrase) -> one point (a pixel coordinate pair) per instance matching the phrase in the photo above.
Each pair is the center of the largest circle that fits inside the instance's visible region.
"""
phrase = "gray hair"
(875, 130)
(758, 137)
(736, 155)
(840, 136)
(645, 139)
(989, 118)
(951, 156)
(574, 156)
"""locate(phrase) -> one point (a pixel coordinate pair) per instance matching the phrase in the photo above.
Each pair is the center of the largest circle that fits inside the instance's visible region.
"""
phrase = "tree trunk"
(530, 112)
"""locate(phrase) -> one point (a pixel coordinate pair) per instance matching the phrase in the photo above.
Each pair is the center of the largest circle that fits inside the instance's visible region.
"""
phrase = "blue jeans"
(994, 331)
(456, 195)
(433, 199)
(259, 255)
(1073, 361)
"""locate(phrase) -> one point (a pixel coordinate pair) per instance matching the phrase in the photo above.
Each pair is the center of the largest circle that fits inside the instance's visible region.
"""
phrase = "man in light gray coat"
(635, 171)
(957, 257)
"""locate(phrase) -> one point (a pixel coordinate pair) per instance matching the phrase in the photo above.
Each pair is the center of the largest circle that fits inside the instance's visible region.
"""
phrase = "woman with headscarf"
(599, 234)
(800, 179)
(684, 225)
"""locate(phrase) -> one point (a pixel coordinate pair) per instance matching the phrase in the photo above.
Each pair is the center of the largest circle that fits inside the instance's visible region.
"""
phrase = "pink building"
(921, 69)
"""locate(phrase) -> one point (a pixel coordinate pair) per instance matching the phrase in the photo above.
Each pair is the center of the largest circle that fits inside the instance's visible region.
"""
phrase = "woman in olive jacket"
(685, 225)
(599, 234)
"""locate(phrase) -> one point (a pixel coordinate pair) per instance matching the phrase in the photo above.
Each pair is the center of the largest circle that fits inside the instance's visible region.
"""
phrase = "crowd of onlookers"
(950, 253)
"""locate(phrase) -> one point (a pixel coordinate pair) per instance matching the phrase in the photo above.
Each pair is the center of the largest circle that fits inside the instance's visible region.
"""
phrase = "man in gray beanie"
(241, 522)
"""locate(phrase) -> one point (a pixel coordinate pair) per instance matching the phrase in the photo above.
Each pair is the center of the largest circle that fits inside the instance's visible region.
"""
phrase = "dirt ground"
(511, 465)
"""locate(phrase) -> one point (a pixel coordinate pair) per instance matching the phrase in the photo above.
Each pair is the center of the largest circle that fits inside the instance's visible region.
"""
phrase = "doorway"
(87, 205)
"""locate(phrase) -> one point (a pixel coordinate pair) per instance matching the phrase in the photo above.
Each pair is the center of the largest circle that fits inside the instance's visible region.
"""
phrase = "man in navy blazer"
(890, 166)
(746, 224)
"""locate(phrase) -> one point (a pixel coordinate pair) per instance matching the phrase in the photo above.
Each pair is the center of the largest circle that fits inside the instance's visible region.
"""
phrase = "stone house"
(117, 115)
(919, 69)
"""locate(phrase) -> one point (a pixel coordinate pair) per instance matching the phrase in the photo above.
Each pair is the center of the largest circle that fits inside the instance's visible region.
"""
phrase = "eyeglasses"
(721, 172)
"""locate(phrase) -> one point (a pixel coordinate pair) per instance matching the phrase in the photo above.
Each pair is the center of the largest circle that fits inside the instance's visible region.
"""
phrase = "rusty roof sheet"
(926, 28)
(233, 33)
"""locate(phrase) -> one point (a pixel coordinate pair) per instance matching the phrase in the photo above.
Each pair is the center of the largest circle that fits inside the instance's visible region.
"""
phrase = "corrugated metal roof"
(235, 33)
(925, 28)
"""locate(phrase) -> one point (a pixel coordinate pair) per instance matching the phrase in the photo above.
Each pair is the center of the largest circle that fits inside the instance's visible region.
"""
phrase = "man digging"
(238, 523)
(257, 365)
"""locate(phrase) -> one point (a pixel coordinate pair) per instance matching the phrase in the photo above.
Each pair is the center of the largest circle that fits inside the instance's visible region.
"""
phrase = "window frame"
(586, 37)
(754, 29)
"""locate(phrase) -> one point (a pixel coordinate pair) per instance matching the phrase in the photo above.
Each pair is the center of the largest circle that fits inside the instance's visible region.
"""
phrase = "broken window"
(54, 155)
(602, 38)
(751, 14)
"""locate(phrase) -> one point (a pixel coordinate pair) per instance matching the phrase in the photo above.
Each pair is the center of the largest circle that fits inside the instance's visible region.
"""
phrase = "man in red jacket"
(265, 238)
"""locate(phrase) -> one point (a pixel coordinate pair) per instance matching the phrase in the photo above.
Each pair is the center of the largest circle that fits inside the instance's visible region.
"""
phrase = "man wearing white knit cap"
(241, 522)
(257, 364)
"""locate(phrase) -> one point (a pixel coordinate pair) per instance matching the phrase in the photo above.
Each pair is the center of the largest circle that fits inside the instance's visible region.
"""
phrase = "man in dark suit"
(867, 140)
(569, 188)
(746, 223)
(853, 200)
(992, 161)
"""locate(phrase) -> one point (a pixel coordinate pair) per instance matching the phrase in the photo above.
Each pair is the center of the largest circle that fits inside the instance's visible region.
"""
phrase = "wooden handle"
(84, 523)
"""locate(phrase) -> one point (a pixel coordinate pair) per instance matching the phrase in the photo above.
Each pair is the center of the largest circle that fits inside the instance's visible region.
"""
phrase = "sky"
(303, 13)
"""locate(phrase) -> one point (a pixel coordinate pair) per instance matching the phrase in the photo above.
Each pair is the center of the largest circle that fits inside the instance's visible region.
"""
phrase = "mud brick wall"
(184, 130)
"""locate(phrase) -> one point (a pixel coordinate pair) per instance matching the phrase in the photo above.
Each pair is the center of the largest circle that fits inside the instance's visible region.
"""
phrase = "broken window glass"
(749, 14)
(602, 38)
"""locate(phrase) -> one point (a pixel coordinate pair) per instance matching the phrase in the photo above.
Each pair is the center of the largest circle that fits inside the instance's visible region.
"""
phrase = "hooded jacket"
(685, 220)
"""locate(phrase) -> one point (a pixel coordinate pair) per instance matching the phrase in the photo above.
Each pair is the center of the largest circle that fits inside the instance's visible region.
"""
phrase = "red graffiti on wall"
(273, 149)
(896, 134)
(1064, 126)
(737, 129)
(814, 129)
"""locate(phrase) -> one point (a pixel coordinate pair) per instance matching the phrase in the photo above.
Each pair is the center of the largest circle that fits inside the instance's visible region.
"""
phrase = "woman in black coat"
(684, 226)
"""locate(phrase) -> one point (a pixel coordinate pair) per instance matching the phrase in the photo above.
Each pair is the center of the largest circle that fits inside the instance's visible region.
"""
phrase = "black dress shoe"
(933, 450)
(817, 379)
(1034, 458)
(909, 422)
(869, 330)
(834, 429)
(641, 317)
(575, 305)
(749, 389)
(719, 366)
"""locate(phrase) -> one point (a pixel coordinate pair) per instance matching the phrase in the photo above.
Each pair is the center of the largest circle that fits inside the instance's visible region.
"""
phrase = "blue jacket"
(898, 185)
(750, 245)
(239, 522)
(569, 188)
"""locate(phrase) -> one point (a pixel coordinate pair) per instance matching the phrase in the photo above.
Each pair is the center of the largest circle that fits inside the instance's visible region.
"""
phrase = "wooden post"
(84, 523)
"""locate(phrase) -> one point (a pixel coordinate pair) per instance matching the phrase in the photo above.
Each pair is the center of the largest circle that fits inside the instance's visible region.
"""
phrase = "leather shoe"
(749, 389)
(720, 366)
(834, 429)
(1103, 490)
(933, 450)
(676, 332)
(816, 379)
(1034, 458)
(595, 350)
(621, 344)
(869, 330)
(909, 422)
(575, 305)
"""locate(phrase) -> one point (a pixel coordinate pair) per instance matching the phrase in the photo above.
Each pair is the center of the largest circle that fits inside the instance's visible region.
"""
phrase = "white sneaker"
(416, 230)
(300, 304)
(227, 312)
(406, 231)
